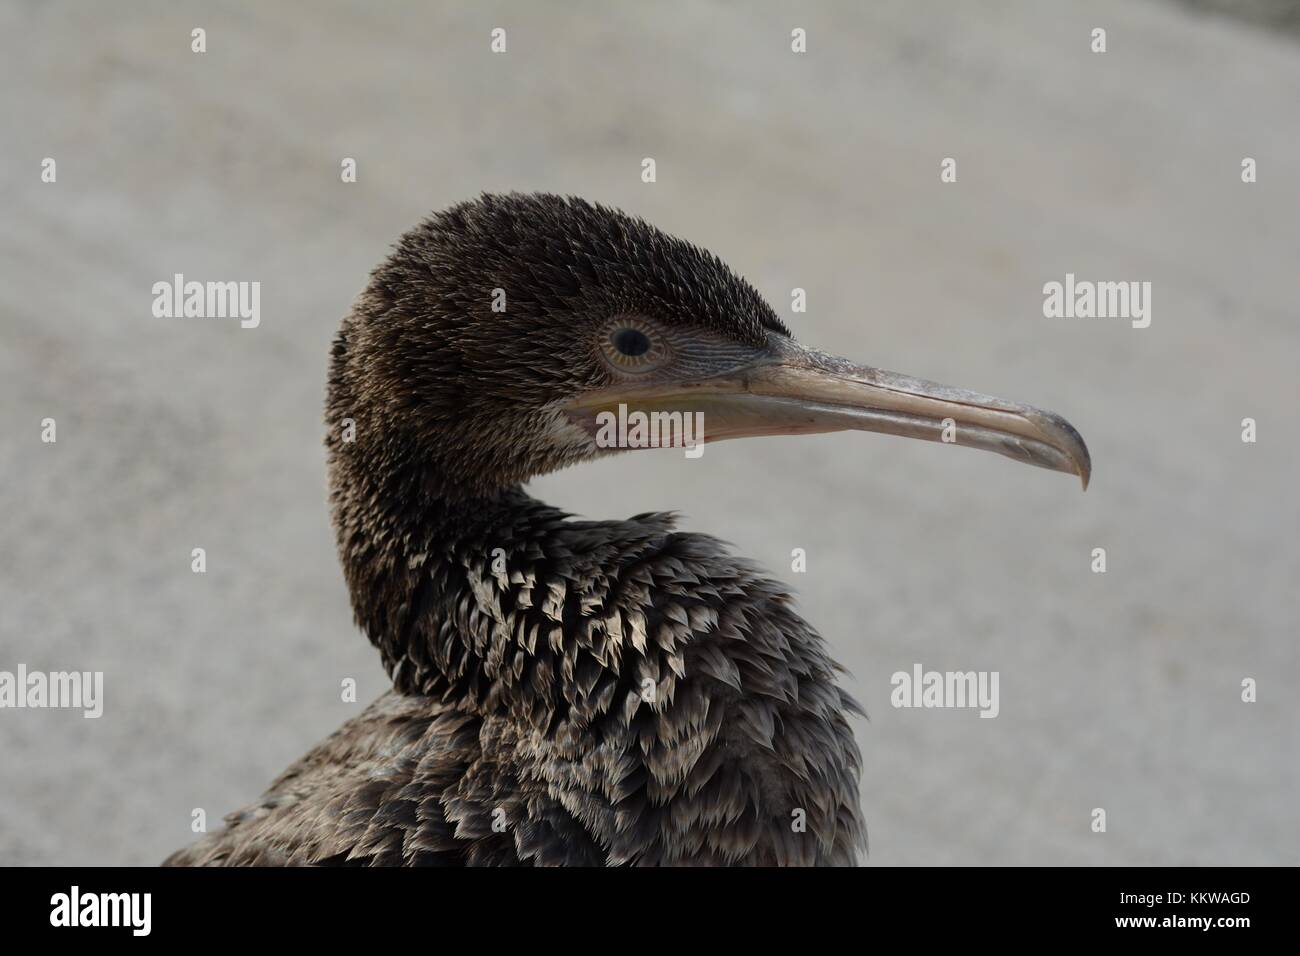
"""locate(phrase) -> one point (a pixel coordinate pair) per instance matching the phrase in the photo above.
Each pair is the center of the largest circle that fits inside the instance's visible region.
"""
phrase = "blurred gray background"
(1118, 690)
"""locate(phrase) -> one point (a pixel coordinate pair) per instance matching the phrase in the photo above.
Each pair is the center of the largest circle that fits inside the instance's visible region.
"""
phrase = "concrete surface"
(1118, 690)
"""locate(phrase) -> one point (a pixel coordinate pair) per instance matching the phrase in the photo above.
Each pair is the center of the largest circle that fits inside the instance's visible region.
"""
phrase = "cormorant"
(564, 691)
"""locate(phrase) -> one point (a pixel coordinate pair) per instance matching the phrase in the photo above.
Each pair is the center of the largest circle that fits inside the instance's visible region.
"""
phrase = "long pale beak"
(805, 392)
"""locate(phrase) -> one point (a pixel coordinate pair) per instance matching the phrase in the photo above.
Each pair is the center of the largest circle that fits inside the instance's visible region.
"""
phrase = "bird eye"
(631, 342)
(632, 345)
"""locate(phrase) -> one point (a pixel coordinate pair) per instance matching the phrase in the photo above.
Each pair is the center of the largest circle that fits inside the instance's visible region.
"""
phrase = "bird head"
(504, 335)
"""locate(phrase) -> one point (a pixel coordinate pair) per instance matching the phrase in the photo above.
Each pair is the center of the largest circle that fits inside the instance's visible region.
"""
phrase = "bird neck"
(425, 568)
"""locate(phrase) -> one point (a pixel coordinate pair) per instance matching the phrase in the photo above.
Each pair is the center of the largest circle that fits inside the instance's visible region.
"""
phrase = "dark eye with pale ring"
(633, 345)
(631, 342)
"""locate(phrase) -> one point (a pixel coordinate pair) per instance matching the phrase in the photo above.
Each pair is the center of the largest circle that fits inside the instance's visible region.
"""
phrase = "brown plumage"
(565, 691)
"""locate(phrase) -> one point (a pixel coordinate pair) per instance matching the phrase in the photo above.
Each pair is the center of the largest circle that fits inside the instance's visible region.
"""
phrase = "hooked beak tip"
(1066, 440)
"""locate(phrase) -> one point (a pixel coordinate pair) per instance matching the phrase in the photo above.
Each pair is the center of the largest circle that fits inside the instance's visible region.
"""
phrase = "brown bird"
(578, 692)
